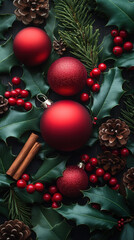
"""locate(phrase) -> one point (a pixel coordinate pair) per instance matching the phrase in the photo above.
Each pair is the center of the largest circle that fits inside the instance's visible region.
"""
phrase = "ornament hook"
(43, 99)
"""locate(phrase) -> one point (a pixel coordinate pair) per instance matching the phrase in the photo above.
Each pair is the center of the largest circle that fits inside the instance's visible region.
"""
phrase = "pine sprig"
(76, 30)
(17, 209)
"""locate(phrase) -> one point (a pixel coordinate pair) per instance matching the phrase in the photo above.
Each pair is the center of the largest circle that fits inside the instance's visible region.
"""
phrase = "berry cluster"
(15, 95)
(92, 82)
(91, 166)
(52, 196)
(120, 45)
(123, 152)
(120, 224)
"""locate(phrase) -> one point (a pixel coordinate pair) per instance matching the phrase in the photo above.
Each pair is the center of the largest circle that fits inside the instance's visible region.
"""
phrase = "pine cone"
(31, 11)
(110, 162)
(114, 133)
(3, 105)
(128, 179)
(59, 46)
(14, 230)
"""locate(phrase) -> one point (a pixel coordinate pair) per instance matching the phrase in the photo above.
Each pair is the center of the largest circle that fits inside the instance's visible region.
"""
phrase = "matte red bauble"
(67, 76)
(66, 125)
(74, 179)
(32, 46)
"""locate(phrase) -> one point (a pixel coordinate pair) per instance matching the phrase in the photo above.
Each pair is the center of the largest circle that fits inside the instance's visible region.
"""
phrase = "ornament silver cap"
(81, 165)
(45, 102)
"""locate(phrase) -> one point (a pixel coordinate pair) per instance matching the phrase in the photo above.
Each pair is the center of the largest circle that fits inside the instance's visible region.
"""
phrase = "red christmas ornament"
(32, 46)
(67, 76)
(66, 125)
(74, 179)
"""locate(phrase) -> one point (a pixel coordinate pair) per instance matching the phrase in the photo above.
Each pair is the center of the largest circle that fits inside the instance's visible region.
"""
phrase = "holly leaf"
(120, 13)
(48, 224)
(35, 197)
(130, 198)
(130, 145)
(52, 167)
(88, 216)
(94, 137)
(130, 161)
(5, 181)
(126, 60)
(108, 199)
(34, 81)
(3, 208)
(107, 46)
(15, 123)
(6, 21)
(7, 57)
(127, 232)
(51, 26)
(109, 95)
(2, 89)
(6, 157)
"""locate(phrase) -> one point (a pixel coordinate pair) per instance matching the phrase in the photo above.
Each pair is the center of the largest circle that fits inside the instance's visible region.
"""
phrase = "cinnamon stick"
(27, 160)
(22, 155)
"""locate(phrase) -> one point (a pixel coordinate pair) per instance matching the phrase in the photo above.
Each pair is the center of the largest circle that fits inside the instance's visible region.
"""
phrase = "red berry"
(55, 205)
(47, 197)
(85, 158)
(25, 177)
(114, 33)
(113, 181)
(123, 33)
(117, 51)
(128, 46)
(94, 161)
(39, 187)
(99, 172)
(107, 176)
(30, 188)
(53, 189)
(96, 206)
(115, 152)
(57, 197)
(18, 90)
(118, 40)
(102, 67)
(12, 101)
(94, 123)
(96, 72)
(14, 93)
(7, 94)
(84, 97)
(122, 223)
(91, 74)
(90, 82)
(96, 87)
(20, 102)
(16, 80)
(28, 106)
(116, 187)
(24, 93)
(124, 152)
(89, 167)
(93, 178)
(119, 221)
(21, 183)
(122, 219)
(119, 225)
(95, 118)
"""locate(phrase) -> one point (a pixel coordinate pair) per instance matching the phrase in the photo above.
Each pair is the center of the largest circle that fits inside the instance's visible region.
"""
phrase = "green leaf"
(87, 215)
(52, 167)
(107, 46)
(51, 26)
(108, 199)
(7, 57)
(6, 21)
(5, 181)
(126, 60)
(130, 161)
(2, 89)
(94, 137)
(34, 81)
(127, 232)
(35, 197)
(15, 123)
(120, 13)
(6, 157)
(130, 145)
(130, 198)
(109, 95)
(3, 208)
(48, 224)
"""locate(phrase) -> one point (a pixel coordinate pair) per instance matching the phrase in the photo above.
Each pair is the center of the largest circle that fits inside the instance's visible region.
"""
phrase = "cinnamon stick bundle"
(24, 158)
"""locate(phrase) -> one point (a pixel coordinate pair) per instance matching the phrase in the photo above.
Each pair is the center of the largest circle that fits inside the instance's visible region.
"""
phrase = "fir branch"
(76, 30)
(17, 209)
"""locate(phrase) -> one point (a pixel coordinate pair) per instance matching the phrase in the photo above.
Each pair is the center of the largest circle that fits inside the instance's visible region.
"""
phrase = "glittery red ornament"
(67, 76)
(74, 179)
(32, 46)
(66, 125)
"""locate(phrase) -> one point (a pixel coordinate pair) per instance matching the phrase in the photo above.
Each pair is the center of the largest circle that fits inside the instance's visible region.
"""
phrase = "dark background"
(81, 232)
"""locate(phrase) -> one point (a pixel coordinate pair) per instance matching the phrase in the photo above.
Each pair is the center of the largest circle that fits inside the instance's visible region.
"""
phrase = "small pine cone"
(111, 163)
(114, 133)
(128, 179)
(59, 46)
(31, 11)
(14, 230)
(3, 105)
